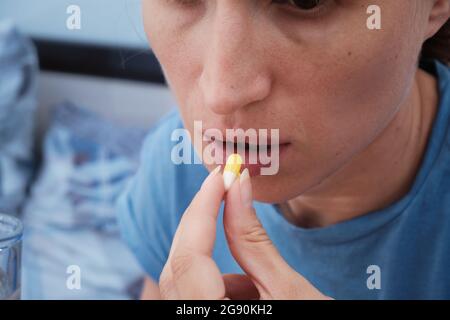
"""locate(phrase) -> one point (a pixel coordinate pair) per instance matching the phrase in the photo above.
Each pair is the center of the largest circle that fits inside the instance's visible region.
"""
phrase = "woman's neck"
(381, 174)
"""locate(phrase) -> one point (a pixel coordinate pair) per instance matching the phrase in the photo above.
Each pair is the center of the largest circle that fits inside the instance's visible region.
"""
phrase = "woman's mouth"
(254, 156)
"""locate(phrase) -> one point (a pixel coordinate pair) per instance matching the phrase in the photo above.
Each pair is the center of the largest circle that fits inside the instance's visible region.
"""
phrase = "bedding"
(69, 220)
(18, 91)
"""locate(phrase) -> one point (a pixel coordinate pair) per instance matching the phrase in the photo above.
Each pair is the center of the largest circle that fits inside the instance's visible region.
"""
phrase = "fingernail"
(211, 175)
(246, 189)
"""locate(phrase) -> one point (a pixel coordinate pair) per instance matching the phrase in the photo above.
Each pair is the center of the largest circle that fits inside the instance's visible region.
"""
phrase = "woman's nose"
(234, 74)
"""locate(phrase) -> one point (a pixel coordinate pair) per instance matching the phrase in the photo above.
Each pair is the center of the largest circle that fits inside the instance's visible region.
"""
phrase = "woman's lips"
(251, 155)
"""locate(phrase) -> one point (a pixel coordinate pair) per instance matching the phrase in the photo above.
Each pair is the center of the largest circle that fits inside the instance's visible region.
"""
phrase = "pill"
(232, 170)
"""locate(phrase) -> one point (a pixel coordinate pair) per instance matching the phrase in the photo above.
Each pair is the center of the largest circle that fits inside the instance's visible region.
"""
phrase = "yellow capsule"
(234, 163)
(232, 170)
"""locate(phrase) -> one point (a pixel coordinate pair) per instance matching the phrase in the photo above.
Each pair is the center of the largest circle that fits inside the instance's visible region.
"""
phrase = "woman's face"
(315, 72)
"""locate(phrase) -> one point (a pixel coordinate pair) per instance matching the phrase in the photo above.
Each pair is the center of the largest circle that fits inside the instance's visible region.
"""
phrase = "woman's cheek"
(370, 82)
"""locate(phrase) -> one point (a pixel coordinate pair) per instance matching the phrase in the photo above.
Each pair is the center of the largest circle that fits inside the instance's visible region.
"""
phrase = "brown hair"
(438, 47)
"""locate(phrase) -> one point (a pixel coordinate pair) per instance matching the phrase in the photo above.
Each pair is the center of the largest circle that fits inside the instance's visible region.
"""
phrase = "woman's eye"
(302, 4)
(184, 3)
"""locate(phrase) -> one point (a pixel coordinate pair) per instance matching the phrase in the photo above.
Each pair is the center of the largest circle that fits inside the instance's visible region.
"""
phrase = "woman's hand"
(190, 271)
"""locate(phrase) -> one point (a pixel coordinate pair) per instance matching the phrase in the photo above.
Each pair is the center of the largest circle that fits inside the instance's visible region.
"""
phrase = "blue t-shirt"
(399, 252)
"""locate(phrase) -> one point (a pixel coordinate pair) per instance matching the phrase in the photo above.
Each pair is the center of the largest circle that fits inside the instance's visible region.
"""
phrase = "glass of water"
(11, 231)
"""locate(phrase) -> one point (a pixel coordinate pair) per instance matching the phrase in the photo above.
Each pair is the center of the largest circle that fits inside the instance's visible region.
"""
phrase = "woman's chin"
(271, 189)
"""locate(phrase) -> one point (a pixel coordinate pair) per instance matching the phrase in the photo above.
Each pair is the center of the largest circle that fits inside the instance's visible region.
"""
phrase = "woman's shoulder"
(437, 157)
(169, 157)
(443, 72)
(151, 205)
(158, 137)
(436, 194)
(165, 184)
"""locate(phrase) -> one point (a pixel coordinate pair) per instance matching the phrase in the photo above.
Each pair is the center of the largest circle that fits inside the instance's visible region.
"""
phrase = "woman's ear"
(439, 14)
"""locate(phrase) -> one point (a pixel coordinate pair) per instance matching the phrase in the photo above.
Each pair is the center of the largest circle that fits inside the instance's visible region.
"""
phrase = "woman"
(359, 207)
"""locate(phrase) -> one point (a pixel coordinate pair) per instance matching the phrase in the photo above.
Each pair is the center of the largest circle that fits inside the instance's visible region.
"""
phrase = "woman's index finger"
(197, 229)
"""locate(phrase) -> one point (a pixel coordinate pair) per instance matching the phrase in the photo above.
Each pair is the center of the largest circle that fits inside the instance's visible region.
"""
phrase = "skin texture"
(350, 101)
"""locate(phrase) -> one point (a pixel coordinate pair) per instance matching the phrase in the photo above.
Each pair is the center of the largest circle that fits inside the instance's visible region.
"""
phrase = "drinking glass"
(11, 231)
